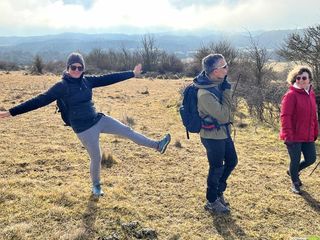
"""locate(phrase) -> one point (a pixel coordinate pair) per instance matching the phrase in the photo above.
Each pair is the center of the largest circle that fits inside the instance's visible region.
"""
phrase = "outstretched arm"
(108, 79)
(55, 92)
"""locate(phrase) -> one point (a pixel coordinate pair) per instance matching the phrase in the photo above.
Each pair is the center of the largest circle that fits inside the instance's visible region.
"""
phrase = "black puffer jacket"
(77, 94)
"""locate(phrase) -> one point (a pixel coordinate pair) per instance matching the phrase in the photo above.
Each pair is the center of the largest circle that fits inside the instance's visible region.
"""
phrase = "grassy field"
(45, 186)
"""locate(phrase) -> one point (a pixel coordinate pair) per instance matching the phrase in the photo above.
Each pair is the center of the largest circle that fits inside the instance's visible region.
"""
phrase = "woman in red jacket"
(299, 124)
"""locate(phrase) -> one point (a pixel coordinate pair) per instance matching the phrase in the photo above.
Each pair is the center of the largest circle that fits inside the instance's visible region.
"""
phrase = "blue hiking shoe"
(216, 207)
(223, 201)
(97, 191)
(164, 143)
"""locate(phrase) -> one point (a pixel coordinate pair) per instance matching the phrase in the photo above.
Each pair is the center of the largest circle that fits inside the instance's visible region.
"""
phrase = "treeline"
(8, 66)
(259, 85)
(152, 58)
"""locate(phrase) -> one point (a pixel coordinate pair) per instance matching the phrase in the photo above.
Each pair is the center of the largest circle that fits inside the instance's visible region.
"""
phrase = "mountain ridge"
(57, 46)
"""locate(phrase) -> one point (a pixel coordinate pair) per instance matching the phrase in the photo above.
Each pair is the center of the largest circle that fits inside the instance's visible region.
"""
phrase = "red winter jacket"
(299, 116)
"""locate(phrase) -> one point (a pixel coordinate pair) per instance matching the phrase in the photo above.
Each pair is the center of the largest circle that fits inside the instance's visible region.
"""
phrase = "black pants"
(222, 159)
(309, 153)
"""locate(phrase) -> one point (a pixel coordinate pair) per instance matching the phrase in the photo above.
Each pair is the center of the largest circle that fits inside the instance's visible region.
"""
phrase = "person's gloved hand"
(225, 85)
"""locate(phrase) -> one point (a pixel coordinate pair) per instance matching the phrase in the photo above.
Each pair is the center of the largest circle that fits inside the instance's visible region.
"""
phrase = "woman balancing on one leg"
(75, 90)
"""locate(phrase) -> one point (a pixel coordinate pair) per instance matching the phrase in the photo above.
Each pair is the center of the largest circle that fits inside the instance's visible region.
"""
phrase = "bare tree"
(37, 65)
(110, 60)
(149, 53)
(304, 48)
(96, 59)
(126, 59)
(169, 63)
(256, 84)
(200, 54)
(8, 66)
(223, 47)
(227, 50)
(55, 66)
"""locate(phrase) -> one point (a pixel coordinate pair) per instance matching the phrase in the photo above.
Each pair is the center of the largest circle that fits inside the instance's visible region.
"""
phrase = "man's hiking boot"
(223, 201)
(97, 191)
(164, 143)
(299, 181)
(216, 207)
(295, 187)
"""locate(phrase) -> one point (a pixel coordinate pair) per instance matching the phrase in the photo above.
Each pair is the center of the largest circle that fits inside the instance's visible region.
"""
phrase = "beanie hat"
(75, 58)
(209, 62)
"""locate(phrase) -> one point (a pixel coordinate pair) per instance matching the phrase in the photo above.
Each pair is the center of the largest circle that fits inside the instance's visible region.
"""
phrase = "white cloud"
(99, 15)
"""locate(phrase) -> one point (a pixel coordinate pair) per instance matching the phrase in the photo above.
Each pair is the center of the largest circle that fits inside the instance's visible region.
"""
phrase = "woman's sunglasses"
(303, 78)
(74, 68)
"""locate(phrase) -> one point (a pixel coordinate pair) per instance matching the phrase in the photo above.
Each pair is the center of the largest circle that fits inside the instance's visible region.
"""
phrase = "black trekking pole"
(234, 90)
(235, 87)
(314, 168)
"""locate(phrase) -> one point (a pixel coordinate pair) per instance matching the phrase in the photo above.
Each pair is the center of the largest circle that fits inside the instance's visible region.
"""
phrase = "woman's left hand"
(137, 70)
(5, 114)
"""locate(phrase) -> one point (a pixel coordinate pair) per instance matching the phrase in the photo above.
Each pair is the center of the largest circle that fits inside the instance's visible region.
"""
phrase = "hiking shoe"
(216, 207)
(299, 181)
(162, 146)
(223, 201)
(295, 188)
(97, 191)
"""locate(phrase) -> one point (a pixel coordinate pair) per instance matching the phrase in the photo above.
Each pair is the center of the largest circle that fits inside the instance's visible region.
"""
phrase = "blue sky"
(85, 3)
(34, 17)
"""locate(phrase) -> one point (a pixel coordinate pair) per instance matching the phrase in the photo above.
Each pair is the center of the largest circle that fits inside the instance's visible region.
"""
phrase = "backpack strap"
(213, 124)
(65, 84)
(217, 92)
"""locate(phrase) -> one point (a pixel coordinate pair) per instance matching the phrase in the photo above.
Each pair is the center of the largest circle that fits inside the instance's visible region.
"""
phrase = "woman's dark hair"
(298, 70)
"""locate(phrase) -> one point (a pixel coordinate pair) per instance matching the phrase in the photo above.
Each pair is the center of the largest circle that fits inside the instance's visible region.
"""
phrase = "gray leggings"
(107, 124)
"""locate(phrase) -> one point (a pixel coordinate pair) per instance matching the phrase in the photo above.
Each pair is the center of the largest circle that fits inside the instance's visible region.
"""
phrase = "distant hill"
(55, 47)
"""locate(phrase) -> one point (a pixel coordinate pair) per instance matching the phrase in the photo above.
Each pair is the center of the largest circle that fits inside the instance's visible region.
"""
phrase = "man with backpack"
(214, 107)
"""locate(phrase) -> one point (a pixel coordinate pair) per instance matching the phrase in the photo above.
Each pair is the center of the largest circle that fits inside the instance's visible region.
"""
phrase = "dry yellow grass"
(281, 66)
(45, 186)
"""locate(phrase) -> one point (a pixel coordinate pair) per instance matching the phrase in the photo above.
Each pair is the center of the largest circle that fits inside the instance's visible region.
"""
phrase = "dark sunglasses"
(73, 68)
(224, 66)
(303, 78)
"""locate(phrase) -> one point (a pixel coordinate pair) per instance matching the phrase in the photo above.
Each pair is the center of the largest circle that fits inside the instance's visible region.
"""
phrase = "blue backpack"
(189, 108)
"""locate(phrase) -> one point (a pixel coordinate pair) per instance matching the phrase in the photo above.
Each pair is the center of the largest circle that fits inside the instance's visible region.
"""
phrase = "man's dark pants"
(222, 159)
